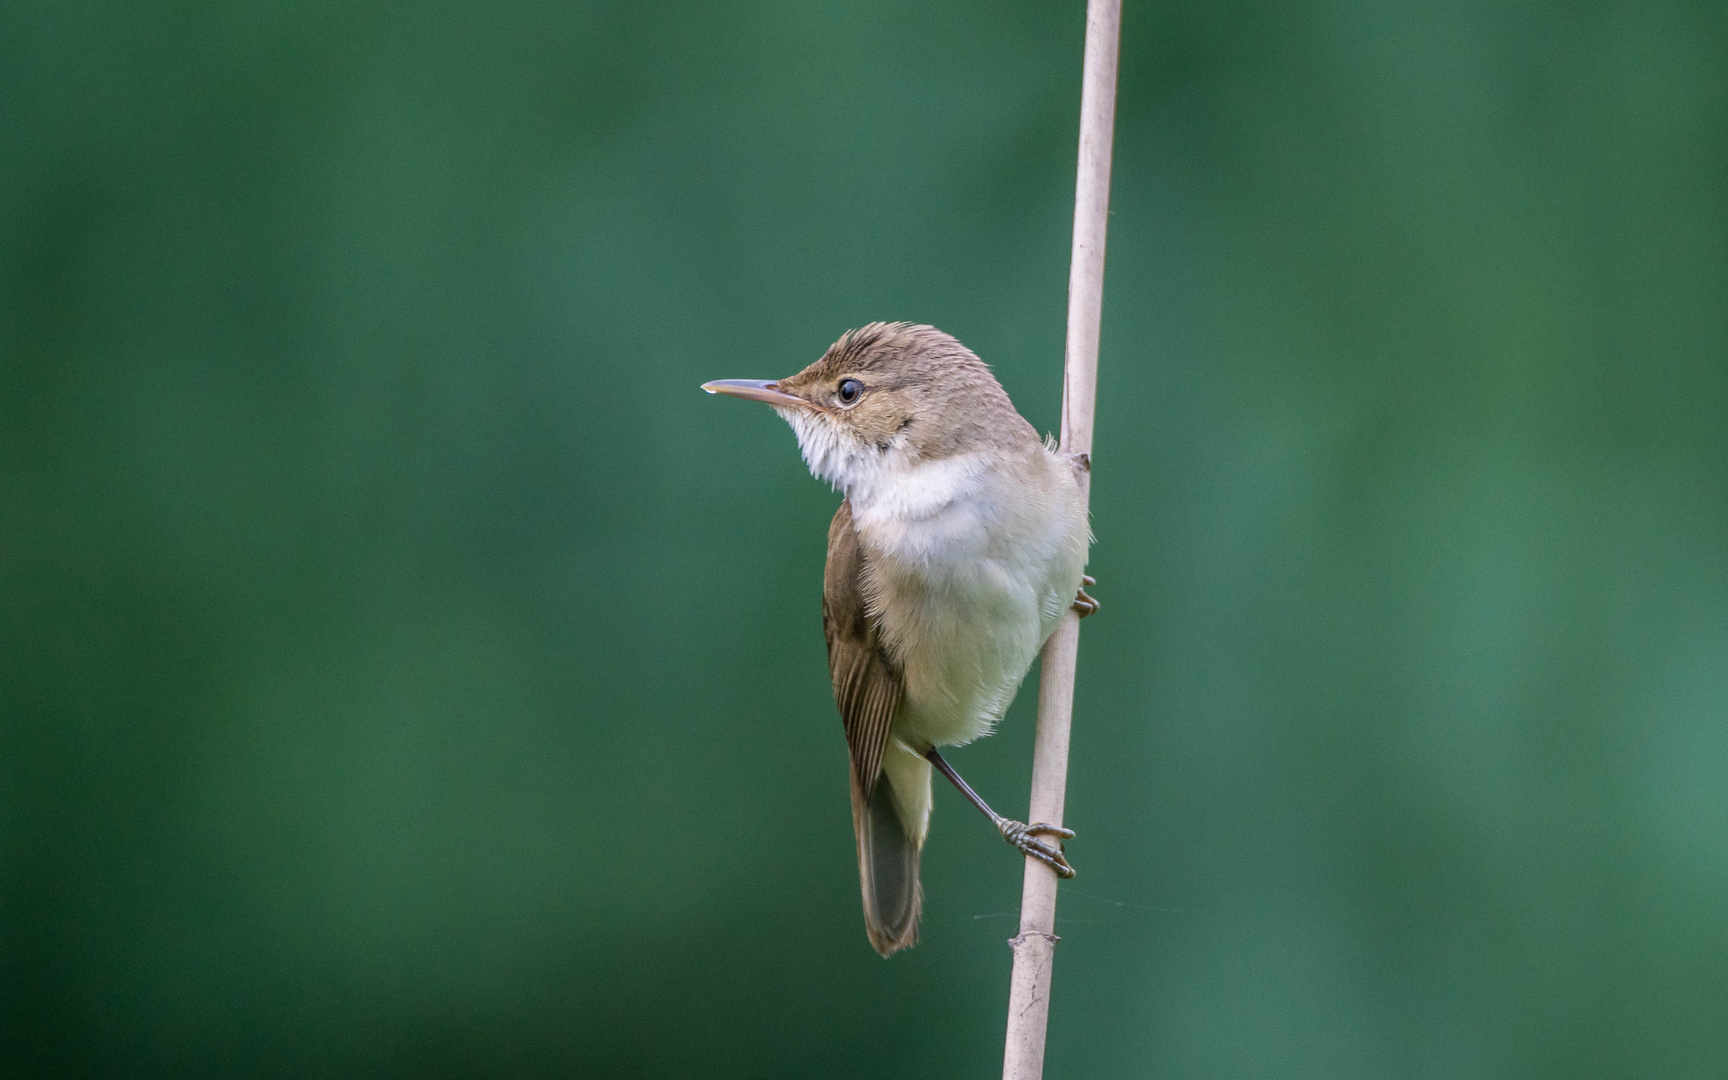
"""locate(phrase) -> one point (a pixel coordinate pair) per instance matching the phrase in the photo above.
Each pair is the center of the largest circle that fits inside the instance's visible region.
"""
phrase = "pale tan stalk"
(1035, 947)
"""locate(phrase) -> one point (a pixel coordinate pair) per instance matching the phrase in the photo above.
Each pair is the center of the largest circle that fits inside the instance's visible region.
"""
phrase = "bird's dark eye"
(849, 390)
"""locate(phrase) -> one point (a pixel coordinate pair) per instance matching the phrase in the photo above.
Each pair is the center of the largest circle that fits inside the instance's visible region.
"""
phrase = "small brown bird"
(959, 546)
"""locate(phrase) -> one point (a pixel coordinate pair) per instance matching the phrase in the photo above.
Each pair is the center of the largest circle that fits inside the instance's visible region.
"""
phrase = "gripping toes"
(1084, 604)
(1025, 836)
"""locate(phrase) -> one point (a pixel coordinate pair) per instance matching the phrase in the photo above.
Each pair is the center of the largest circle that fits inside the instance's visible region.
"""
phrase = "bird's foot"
(1024, 837)
(1083, 604)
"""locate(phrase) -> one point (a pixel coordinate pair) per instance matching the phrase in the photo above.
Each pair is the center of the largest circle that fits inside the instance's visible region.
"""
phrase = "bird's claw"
(1085, 605)
(1023, 836)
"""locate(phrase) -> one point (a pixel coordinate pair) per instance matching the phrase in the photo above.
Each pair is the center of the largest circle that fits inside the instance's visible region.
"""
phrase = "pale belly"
(975, 641)
(966, 597)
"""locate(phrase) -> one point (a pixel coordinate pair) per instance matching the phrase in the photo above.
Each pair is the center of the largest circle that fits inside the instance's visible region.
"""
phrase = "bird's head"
(886, 397)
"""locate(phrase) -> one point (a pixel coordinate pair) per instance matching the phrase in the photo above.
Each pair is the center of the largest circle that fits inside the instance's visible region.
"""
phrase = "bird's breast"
(967, 569)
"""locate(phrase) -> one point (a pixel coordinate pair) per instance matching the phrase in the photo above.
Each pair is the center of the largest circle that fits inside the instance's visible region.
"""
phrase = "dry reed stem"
(1035, 946)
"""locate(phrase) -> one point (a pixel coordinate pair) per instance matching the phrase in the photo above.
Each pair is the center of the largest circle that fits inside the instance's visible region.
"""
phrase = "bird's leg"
(1018, 833)
(1083, 604)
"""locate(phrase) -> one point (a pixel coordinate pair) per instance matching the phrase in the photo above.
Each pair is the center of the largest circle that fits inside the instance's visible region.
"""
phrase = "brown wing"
(867, 684)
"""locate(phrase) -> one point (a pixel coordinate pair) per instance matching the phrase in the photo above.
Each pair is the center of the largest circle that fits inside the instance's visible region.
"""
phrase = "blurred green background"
(407, 672)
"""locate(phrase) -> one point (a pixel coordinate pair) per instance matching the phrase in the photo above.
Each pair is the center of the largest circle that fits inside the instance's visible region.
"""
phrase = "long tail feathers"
(887, 867)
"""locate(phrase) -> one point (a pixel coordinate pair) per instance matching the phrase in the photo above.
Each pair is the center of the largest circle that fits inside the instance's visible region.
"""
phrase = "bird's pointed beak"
(755, 390)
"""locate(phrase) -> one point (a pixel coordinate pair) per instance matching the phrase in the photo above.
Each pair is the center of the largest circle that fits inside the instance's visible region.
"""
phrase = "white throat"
(883, 483)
